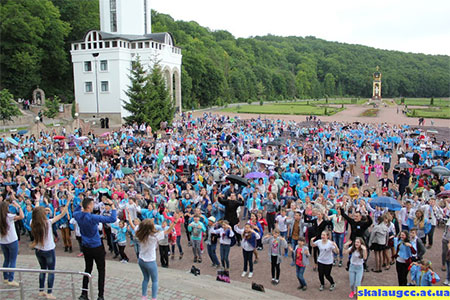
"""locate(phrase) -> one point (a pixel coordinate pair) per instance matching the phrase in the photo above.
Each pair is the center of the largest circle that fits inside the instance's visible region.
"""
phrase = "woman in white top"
(8, 239)
(325, 259)
(148, 237)
(44, 245)
(358, 253)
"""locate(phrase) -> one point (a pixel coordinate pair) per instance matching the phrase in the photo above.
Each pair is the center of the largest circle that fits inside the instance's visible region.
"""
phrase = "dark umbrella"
(22, 132)
(274, 143)
(388, 202)
(444, 194)
(439, 170)
(236, 179)
(403, 166)
(414, 134)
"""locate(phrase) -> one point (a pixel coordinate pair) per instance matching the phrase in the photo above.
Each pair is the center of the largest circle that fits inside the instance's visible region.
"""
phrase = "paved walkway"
(123, 282)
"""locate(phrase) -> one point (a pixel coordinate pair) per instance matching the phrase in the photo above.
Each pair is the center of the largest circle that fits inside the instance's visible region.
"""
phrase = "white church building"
(102, 60)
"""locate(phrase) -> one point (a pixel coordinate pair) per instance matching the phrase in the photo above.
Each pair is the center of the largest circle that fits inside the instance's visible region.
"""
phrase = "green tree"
(52, 107)
(138, 94)
(149, 98)
(8, 107)
(329, 84)
(32, 47)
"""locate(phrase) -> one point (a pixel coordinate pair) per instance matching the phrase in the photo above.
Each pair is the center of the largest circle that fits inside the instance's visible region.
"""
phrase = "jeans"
(248, 260)
(224, 252)
(180, 249)
(430, 236)
(284, 235)
(355, 274)
(325, 271)
(212, 254)
(300, 271)
(47, 261)
(338, 238)
(10, 252)
(149, 270)
(448, 270)
(293, 244)
(98, 255)
(196, 248)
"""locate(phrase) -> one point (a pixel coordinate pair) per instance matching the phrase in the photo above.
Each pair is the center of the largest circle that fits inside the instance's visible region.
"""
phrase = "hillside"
(217, 67)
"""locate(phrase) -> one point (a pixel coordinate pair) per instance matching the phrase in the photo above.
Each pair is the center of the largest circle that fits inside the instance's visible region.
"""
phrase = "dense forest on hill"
(217, 67)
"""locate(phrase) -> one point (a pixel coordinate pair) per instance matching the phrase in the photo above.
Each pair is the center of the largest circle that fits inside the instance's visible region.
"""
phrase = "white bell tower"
(125, 16)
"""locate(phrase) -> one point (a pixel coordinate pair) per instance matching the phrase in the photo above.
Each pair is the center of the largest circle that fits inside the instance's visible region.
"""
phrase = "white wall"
(119, 64)
(130, 16)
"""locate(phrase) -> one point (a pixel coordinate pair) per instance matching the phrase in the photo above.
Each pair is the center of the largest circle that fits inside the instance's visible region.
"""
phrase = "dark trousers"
(248, 260)
(108, 237)
(164, 255)
(270, 221)
(325, 271)
(402, 273)
(275, 267)
(123, 256)
(97, 255)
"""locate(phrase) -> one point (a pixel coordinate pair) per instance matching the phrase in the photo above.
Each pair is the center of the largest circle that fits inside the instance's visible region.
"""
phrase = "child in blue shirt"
(121, 240)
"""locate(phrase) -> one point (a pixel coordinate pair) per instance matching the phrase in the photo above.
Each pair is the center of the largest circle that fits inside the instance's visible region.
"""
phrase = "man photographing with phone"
(93, 248)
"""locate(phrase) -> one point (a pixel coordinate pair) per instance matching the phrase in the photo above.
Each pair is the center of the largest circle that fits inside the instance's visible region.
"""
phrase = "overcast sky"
(407, 25)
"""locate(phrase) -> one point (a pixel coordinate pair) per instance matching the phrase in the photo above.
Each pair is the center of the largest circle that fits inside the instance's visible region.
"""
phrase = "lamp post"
(78, 120)
(95, 55)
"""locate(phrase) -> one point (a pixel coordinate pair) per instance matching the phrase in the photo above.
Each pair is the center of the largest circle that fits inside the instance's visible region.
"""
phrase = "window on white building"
(105, 86)
(87, 66)
(103, 65)
(88, 87)
(113, 15)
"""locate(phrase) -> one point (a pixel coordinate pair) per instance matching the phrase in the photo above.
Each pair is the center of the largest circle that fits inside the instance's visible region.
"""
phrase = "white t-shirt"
(356, 259)
(148, 249)
(282, 226)
(49, 243)
(11, 235)
(326, 252)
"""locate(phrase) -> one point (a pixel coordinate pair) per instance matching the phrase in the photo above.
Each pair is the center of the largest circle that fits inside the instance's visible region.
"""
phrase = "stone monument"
(38, 97)
(376, 88)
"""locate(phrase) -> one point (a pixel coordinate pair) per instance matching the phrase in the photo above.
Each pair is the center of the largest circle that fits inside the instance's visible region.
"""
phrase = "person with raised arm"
(93, 249)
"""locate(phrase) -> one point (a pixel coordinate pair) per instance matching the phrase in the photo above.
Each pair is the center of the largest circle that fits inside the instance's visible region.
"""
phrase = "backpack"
(233, 241)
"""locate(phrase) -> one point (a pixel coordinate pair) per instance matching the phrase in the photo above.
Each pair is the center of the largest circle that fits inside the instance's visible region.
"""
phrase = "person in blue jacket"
(93, 249)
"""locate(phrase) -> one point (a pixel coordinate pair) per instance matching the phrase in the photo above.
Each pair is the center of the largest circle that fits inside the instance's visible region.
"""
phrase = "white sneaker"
(250, 275)
(243, 274)
(446, 282)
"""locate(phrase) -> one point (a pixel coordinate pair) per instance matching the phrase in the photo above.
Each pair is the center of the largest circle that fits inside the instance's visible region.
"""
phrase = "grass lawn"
(438, 112)
(284, 109)
(425, 101)
(372, 112)
(330, 101)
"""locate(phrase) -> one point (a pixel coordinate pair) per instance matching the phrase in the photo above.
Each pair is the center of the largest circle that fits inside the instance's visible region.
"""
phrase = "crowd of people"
(310, 194)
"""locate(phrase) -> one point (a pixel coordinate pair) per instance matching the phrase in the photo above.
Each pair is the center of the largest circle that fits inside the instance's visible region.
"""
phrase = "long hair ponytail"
(4, 208)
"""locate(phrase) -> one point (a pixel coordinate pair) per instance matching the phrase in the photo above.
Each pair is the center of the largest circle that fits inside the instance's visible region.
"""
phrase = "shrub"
(402, 100)
(262, 102)
(432, 101)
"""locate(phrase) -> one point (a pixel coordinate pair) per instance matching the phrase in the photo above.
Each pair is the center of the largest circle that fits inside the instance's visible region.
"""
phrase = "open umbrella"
(414, 134)
(444, 194)
(22, 132)
(105, 134)
(236, 179)
(12, 141)
(256, 175)
(55, 182)
(432, 131)
(255, 152)
(127, 171)
(403, 166)
(59, 137)
(82, 138)
(426, 172)
(265, 162)
(388, 202)
(439, 170)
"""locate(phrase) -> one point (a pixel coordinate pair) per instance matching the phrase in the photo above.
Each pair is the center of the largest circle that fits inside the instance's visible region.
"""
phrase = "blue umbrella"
(12, 141)
(388, 202)
(22, 132)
